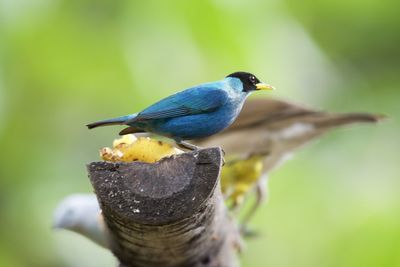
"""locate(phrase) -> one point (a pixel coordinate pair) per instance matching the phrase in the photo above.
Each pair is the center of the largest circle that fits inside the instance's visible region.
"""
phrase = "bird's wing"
(191, 101)
(267, 110)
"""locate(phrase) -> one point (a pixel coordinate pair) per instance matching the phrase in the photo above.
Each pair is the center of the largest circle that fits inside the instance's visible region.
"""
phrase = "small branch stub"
(169, 213)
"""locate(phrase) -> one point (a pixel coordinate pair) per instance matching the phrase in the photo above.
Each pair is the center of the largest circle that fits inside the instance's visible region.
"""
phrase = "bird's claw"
(188, 146)
(223, 151)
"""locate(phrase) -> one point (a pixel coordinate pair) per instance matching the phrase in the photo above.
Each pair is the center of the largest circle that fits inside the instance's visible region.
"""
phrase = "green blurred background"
(65, 63)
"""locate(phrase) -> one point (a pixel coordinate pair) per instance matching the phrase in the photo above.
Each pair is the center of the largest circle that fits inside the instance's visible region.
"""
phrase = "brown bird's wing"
(266, 110)
(278, 127)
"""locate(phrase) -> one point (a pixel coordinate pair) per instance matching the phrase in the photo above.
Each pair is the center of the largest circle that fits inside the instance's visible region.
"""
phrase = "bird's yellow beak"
(264, 86)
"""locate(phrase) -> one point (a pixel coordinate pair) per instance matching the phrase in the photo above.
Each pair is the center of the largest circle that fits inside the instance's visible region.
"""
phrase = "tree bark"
(170, 213)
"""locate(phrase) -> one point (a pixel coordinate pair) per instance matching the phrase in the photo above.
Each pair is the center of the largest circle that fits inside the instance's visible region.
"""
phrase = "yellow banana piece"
(129, 148)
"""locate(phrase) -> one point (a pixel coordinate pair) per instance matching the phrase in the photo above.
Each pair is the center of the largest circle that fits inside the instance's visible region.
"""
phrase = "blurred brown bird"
(274, 129)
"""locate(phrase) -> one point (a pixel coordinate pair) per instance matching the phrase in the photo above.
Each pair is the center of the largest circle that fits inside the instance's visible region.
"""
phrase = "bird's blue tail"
(114, 121)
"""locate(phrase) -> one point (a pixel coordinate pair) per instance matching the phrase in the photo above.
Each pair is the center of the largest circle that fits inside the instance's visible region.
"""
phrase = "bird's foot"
(186, 145)
(223, 156)
(191, 147)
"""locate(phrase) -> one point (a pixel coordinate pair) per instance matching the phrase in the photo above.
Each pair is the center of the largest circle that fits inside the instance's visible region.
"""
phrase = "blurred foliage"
(66, 63)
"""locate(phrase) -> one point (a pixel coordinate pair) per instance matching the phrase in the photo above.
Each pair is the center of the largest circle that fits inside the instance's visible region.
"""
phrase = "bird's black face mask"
(250, 82)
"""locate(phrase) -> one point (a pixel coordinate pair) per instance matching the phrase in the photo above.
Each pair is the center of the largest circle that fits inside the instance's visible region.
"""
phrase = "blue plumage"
(196, 112)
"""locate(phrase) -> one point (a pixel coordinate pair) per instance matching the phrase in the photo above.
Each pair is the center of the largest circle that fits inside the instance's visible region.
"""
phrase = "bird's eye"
(252, 79)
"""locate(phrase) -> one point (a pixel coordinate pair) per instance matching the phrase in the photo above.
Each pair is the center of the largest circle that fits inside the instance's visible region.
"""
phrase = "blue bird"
(193, 113)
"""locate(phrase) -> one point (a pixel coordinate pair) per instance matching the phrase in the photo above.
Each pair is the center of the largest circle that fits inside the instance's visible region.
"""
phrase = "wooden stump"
(170, 213)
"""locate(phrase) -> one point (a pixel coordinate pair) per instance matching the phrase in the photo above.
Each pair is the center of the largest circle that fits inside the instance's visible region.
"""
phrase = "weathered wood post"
(170, 213)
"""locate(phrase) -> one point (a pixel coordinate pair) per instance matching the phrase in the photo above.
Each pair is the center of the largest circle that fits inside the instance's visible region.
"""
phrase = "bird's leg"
(261, 194)
(187, 145)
